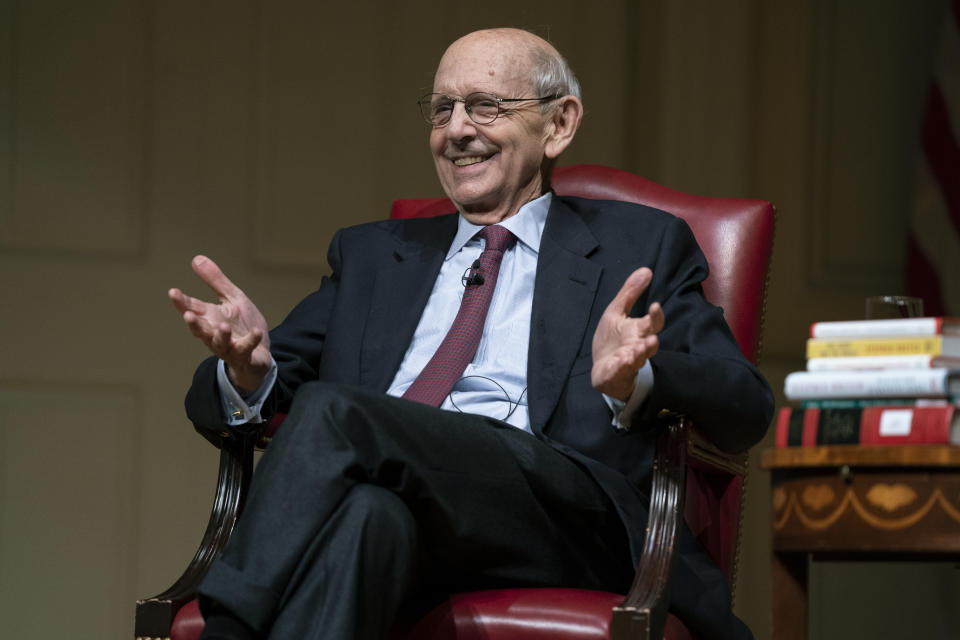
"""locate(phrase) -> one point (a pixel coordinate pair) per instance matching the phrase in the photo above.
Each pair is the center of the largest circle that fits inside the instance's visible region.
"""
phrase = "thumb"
(211, 274)
(634, 286)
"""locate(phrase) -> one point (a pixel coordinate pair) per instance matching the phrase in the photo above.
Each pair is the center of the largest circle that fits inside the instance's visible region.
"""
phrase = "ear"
(565, 119)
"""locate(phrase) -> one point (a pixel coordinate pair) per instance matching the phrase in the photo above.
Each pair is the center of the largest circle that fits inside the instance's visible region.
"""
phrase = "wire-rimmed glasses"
(482, 108)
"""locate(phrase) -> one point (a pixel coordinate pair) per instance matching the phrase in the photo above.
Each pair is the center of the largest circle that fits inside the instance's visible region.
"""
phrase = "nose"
(460, 126)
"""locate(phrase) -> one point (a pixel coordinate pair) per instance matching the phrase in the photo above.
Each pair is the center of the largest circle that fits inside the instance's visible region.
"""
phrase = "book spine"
(792, 424)
(859, 403)
(891, 425)
(893, 383)
(905, 425)
(877, 328)
(875, 362)
(782, 434)
(844, 348)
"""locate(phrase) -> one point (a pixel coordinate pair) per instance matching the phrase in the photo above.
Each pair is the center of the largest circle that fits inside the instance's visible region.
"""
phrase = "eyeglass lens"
(483, 108)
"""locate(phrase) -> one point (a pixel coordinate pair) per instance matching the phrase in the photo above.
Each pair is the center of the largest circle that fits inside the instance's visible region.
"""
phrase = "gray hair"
(552, 76)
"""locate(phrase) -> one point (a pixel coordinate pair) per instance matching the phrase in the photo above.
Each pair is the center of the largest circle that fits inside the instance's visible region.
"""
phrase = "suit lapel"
(400, 293)
(563, 298)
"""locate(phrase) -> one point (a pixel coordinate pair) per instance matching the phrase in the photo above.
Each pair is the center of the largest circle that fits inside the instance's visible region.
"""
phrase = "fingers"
(631, 330)
(633, 353)
(615, 374)
(622, 344)
(220, 341)
(233, 330)
(200, 328)
(236, 352)
(634, 286)
(211, 274)
(194, 314)
(184, 303)
(657, 319)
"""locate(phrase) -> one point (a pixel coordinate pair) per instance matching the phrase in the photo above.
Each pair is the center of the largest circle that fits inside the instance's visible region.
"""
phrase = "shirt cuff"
(237, 409)
(623, 412)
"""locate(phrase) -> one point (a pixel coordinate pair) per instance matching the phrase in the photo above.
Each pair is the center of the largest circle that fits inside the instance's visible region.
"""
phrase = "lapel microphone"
(472, 275)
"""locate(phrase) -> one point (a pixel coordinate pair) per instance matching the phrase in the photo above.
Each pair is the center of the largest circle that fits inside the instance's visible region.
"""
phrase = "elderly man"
(470, 397)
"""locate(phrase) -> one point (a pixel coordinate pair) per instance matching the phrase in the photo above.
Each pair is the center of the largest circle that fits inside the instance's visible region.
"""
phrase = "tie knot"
(497, 238)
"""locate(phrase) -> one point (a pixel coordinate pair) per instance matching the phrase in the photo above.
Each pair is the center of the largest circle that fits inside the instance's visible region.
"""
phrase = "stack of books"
(874, 382)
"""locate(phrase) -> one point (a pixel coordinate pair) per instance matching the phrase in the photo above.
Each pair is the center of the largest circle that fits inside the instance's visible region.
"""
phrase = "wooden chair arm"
(679, 448)
(643, 614)
(155, 615)
(705, 455)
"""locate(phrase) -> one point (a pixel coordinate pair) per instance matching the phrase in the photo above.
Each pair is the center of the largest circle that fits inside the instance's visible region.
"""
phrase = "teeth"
(463, 162)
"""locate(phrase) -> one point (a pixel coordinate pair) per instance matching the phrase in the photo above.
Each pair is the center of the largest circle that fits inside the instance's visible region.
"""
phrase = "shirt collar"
(527, 225)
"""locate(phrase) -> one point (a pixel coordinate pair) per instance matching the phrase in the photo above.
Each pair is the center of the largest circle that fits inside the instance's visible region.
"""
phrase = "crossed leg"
(362, 499)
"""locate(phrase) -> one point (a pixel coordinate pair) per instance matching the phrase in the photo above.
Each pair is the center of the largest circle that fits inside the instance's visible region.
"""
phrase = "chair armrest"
(155, 615)
(643, 613)
(681, 453)
(707, 456)
(716, 488)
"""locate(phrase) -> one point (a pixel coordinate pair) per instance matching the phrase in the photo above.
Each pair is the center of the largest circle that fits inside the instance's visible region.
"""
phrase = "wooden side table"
(856, 503)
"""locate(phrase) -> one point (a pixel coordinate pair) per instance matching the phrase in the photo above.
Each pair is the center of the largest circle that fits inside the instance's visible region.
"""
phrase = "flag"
(933, 249)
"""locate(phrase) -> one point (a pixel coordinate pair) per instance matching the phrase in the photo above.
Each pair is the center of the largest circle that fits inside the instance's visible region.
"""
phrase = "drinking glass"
(886, 307)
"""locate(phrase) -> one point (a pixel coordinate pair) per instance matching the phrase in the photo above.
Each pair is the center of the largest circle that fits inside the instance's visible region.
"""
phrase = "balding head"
(546, 68)
(491, 168)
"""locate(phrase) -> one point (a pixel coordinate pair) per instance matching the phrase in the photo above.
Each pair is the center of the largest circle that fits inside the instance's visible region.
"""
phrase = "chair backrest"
(735, 234)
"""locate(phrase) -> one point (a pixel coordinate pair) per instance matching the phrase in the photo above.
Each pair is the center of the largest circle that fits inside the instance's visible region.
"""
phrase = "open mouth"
(469, 160)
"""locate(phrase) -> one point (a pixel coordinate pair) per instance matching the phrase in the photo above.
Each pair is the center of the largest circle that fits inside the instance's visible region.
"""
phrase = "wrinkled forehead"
(495, 64)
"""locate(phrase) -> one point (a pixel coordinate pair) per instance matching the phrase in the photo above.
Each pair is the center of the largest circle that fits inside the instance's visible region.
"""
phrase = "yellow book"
(948, 346)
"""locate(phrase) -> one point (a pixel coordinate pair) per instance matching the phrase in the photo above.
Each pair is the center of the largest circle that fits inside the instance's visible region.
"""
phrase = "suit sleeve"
(699, 369)
(296, 345)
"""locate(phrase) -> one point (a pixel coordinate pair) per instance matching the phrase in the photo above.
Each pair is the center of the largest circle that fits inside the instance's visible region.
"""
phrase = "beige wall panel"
(76, 113)
(867, 90)
(201, 129)
(68, 477)
(595, 38)
(705, 98)
(413, 37)
(782, 138)
(7, 46)
(840, 91)
(318, 142)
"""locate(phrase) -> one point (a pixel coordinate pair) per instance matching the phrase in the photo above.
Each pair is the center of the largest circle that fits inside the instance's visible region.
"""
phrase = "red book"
(935, 423)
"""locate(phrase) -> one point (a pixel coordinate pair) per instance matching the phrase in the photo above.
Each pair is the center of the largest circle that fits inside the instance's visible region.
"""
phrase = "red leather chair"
(692, 479)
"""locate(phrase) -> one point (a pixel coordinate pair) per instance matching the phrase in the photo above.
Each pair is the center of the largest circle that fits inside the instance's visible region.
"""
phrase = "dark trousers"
(363, 500)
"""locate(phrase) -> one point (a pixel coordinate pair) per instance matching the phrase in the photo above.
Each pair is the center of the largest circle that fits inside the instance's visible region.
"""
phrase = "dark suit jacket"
(357, 326)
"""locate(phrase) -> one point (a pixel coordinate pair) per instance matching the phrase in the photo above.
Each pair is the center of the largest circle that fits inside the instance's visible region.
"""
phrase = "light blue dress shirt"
(495, 383)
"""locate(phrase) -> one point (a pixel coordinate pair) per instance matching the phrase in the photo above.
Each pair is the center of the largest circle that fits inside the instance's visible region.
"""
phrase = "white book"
(887, 383)
(917, 361)
(886, 328)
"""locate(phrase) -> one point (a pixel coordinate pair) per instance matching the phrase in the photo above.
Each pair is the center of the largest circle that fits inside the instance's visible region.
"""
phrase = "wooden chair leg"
(643, 614)
(155, 615)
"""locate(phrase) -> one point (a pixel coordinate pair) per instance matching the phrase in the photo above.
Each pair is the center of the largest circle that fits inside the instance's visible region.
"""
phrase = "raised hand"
(622, 344)
(234, 330)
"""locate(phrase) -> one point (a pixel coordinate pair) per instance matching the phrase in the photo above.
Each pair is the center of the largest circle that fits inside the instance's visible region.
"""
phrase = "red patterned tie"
(460, 344)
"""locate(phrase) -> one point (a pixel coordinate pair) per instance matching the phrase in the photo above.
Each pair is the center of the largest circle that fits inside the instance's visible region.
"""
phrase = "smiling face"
(491, 170)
